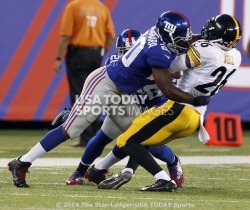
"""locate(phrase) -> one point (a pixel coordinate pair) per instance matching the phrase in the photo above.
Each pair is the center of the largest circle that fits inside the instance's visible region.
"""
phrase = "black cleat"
(95, 175)
(116, 181)
(161, 185)
(19, 170)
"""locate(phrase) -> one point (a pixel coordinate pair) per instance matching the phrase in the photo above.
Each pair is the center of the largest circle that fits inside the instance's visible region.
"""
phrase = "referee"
(86, 33)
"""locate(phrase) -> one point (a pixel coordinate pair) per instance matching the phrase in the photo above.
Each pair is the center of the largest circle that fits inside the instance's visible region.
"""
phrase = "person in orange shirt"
(86, 34)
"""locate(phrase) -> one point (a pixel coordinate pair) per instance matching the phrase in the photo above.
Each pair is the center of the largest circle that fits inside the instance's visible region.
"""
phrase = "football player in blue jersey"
(145, 64)
(96, 145)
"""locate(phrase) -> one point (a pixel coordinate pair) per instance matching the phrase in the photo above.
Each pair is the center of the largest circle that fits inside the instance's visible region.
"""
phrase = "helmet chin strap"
(218, 42)
(176, 49)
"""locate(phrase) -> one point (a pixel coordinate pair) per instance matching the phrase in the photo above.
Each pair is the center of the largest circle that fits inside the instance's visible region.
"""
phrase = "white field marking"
(66, 151)
(21, 194)
(185, 160)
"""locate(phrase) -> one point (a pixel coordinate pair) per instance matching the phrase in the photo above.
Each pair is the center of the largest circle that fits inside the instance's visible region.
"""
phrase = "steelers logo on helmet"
(175, 31)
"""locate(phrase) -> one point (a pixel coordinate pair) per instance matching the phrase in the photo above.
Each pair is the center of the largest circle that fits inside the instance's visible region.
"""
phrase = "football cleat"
(116, 181)
(75, 179)
(161, 185)
(95, 175)
(176, 173)
(19, 170)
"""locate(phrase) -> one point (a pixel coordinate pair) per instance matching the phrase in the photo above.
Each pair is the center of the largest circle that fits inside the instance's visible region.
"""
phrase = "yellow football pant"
(159, 126)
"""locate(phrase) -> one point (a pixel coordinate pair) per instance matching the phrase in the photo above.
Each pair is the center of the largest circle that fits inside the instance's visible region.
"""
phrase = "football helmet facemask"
(175, 31)
(126, 40)
(223, 29)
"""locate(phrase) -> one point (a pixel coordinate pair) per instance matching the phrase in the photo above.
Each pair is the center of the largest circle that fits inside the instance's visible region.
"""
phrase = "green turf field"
(207, 186)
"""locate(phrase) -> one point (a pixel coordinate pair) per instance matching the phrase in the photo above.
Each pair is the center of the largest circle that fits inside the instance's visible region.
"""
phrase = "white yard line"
(185, 160)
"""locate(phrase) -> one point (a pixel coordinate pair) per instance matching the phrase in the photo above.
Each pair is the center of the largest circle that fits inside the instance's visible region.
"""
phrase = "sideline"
(185, 160)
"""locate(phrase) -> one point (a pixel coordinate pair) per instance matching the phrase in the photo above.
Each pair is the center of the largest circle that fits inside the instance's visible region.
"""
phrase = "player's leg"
(114, 126)
(19, 167)
(156, 127)
(94, 149)
(165, 154)
(73, 126)
(123, 177)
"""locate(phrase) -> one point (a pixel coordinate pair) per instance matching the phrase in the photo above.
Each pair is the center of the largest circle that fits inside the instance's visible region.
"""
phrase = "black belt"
(89, 48)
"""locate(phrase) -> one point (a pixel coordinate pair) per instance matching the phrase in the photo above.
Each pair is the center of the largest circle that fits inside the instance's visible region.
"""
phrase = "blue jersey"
(111, 59)
(154, 96)
(133, 72)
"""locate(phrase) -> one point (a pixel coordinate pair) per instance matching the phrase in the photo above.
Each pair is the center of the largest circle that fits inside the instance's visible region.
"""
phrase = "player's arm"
(163, 79)
(180, 63)
(61, 50)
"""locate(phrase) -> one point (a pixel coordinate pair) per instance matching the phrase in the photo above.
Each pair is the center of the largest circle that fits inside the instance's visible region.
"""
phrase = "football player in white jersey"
(208, 65)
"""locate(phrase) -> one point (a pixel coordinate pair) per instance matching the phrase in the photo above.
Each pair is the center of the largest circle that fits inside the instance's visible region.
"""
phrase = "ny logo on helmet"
(169, 27)
(129, 42)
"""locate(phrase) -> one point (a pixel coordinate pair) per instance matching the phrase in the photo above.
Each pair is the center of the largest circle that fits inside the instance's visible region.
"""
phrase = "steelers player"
(209, 64)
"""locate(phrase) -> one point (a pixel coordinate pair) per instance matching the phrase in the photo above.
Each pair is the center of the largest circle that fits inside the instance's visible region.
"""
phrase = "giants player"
(111, 130)
(146, 63)
(208, 65)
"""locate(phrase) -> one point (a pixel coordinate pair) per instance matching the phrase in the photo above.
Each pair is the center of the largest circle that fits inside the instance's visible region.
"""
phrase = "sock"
(118, 152)
(175, 161)
(132, 165)
(33, 154)
(53, 138)
(49, 141)
(163, 153)
(95, 147)
(141, 155)
(107, 162)
(82, 168)
(130, 170)
(162, 175)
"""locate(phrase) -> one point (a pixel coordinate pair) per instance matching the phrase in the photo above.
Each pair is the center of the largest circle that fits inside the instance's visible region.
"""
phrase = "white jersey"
(212, 67)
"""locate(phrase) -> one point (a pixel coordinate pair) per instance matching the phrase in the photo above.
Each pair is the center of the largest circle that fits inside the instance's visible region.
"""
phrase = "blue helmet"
(126, 40)
(175, 31)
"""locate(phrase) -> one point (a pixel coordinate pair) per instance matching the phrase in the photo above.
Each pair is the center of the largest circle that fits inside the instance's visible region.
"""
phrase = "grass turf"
(207, 186)
(17, 142)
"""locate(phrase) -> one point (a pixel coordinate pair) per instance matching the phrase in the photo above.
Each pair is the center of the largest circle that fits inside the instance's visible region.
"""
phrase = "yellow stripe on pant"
(158, 126)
